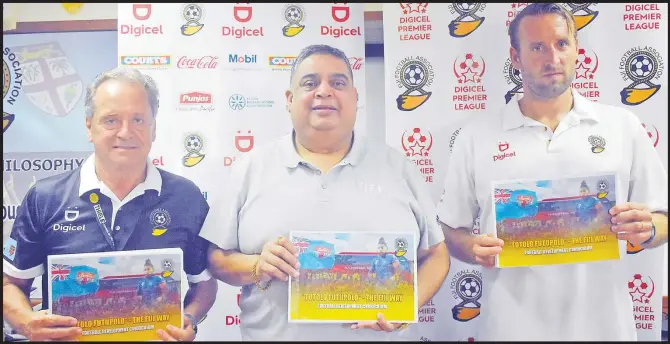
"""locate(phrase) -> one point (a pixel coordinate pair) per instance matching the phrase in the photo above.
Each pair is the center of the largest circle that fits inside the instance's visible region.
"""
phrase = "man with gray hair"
(132, 197)
(322, 176)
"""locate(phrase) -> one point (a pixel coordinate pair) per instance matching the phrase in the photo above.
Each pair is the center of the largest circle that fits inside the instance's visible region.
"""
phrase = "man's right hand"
(279, 259)
(43, 326)
(485, 248)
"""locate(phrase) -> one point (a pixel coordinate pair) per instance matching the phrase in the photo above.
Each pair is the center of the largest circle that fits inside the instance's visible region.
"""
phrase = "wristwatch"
(651, 238)
(194, 324)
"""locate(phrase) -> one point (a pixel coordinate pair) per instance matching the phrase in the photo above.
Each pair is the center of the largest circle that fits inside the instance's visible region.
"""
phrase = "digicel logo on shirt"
(340, 13)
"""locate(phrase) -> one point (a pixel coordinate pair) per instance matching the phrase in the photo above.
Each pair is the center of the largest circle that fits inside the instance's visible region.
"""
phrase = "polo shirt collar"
(582, 109)
(89, 180)
(292, 159)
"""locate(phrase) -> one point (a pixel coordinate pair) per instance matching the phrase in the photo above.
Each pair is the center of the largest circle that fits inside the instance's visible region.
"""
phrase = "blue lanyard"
(103, 224)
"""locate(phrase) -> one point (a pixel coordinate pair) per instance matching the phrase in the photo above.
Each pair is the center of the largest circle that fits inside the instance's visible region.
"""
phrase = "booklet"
(347, 277)
(118, 296)
(563, 221)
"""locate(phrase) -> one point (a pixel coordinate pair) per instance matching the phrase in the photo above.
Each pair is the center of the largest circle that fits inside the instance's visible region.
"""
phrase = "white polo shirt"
(272, 191)
(560, 302)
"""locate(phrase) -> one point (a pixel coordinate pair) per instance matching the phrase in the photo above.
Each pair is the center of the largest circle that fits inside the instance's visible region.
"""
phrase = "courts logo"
(294, 15)
(413, 74)
(340, 13)
(516, 8)
(512, 76)
(466, 286)
(194, 145)
(152, 61)
(160, 219)
(196, 101)
(582, 13)
(652, 132)
(242, 14)
(586, 67)
(598, 144)
(193, 14)
(417, 145)
(239, 102)
(642, 17)
(203, 62)
(414, 22)
(281, 62)
(12, 76)
(469, 93)
(640, 66)
(460, 27)
(141, 12)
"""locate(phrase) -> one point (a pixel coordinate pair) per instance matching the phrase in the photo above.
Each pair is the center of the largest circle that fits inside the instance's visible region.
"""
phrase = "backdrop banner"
(222, 72)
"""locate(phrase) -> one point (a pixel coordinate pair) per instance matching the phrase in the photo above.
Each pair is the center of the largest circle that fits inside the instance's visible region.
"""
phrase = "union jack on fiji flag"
(502, 195)
(59, 272)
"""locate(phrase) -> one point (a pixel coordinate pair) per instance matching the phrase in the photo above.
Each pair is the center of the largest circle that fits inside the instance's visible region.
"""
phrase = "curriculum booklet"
(561, 221)
(348, 277)
(118, 296)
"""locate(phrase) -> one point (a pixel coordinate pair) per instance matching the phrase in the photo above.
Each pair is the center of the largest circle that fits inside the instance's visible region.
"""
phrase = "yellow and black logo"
(466, 285)
(413, 74)
(597, 144)
(460, 27)
(193, 144)
(582, 13)
(640, 66)
(294, 14)
(193, 14)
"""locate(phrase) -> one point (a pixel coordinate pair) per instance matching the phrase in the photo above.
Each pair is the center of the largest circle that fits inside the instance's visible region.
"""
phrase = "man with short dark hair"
(552, 131)
(322, 176)
(117, 201)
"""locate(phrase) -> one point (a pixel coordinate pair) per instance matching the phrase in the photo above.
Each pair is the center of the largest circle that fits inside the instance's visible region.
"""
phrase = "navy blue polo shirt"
(60, 215)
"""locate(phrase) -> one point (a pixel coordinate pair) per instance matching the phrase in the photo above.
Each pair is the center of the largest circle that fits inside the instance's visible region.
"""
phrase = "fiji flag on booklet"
(73, 281)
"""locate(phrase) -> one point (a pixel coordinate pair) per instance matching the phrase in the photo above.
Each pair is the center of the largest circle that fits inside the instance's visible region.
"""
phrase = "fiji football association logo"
(582, 13)
(11, 84)
(466, 285)
(193, 14)
(160, 219)
(193, 144)
(294, 15)
(512, 77)
(467, 21)
(640, 67)
(413, 74)
(168, 268)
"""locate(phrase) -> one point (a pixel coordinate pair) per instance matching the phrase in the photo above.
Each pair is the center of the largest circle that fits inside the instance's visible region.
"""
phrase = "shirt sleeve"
(221, 225)
(23, 253)
(430, 232)
(648, 183)
(457, 207)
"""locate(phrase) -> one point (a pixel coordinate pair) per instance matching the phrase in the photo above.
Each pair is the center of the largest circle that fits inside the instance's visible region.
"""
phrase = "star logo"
(636, 295)
(408, 8)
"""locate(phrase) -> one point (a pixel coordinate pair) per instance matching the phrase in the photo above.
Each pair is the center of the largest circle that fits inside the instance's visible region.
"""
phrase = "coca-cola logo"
(204, 62)
(356, 63)
(195, 98)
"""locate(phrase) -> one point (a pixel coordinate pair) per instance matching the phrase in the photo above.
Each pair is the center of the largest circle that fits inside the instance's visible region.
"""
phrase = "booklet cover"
(347, 277)
(118, 296)
(564, 221)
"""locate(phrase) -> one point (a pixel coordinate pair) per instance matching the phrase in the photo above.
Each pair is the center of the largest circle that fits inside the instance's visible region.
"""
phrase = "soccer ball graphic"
(192, 13)
(414, 75)
(602, 185)
(193, 143)
(160, 219)
(167, 265)
(642, 66)
(469, 63)
(469, 288)
(465, 6)
(294, 14)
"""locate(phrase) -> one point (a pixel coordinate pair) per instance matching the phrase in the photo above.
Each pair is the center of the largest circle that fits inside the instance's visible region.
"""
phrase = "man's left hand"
(631, 222)
(173, 334)
(380, 325)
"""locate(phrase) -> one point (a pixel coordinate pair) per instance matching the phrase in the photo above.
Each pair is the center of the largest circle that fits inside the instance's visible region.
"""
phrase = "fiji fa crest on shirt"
(597, 144)
(160, 219)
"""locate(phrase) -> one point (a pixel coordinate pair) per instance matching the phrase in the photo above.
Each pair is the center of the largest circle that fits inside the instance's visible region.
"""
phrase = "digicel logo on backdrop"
(340, 13)
(141, 12)
(242, 14)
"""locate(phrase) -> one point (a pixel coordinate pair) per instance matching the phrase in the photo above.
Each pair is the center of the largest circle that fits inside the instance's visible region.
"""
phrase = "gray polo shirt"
(272, 190)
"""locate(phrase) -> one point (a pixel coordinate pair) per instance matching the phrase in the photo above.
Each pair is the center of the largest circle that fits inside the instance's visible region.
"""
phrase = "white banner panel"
(222, 70)
(446, 63)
